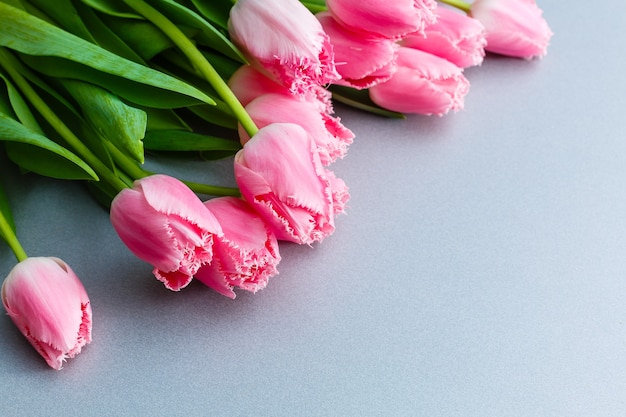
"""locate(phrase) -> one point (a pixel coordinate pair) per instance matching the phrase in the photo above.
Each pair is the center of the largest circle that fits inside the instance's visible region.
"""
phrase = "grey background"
(480, 271)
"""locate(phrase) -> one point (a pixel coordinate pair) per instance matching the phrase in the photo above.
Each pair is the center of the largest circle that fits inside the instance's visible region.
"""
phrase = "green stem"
(197, 59)
(459, 4)
(128, 165)
(11, 239)
(199, 188)
(136, 172)
(11, 65)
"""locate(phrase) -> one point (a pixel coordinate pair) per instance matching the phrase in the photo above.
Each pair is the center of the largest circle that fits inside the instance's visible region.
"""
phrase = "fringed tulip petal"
(246, 256)
(280, 174)
(164, 223)
(284, 40)
(49, 305)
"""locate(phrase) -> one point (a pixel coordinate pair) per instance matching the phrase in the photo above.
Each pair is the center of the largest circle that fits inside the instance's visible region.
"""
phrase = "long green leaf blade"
(123, 125)
(39, 154)
(24, 32)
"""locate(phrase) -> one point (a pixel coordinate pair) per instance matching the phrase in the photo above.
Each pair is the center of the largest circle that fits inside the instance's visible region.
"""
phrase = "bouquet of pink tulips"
(87, 90)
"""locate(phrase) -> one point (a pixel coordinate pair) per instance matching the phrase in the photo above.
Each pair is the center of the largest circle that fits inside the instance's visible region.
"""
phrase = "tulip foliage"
(90, 88)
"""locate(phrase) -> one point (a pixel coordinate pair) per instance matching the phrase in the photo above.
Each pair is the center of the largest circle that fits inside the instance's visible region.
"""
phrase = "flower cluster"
(267, 72)
(416, 50)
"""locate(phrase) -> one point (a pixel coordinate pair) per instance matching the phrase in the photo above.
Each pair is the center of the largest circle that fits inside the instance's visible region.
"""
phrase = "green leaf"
(315, 6)
(65, 15)
(219, 115)
(38, 154)
(142, 36)
(113, 8)
(162, 119)
(141, 94)
(217, 12)
(26, 33)
(360, 99)
(105, 37)
(209, 35)
(184, 141)
(18, 107)
(123, 125)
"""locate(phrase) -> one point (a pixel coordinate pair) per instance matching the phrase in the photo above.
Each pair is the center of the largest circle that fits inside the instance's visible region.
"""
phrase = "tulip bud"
(283, 39)
(423, 84)
(164, 223)
(281, 176)
(50, 306)
(514, 27)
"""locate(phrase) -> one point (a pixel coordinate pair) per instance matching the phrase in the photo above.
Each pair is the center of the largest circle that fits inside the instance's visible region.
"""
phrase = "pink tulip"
(246, 256)
(383, 18)
(514, 27)
(423, 84)
(164, 223)
(330, 136)
(49, 305)
(281, 176)
(284, 40)
(455, 37)
(361, 59)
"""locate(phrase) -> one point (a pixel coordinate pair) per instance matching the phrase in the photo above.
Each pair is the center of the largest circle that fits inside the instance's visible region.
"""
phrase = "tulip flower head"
(383, 18)
(423, 84)
(246, 255)
(514, 27)
(455, 37)
(285, 41)
(164, 223)
(49, 305)
(281, 176)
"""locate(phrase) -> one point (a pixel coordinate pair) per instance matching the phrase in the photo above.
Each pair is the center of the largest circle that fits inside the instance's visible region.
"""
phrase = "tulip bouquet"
(90, 87)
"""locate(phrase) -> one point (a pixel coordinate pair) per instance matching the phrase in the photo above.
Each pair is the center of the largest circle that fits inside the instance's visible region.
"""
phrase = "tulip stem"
(9, 236)
(136, 172)
(198, 60)
(459, 4)
(11, 65)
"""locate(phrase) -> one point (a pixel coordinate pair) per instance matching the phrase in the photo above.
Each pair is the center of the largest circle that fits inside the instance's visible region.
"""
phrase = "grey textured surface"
(480, 271)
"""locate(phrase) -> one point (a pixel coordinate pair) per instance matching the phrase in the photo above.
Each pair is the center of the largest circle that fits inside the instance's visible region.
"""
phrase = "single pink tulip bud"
(49, 305)
(246, 255)
(455, 37)
(383, 18)
(330, 136)
(423, 84)
(281, 176)
(165, 224)
(284, 40)
(361, 59)
(514, 27)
